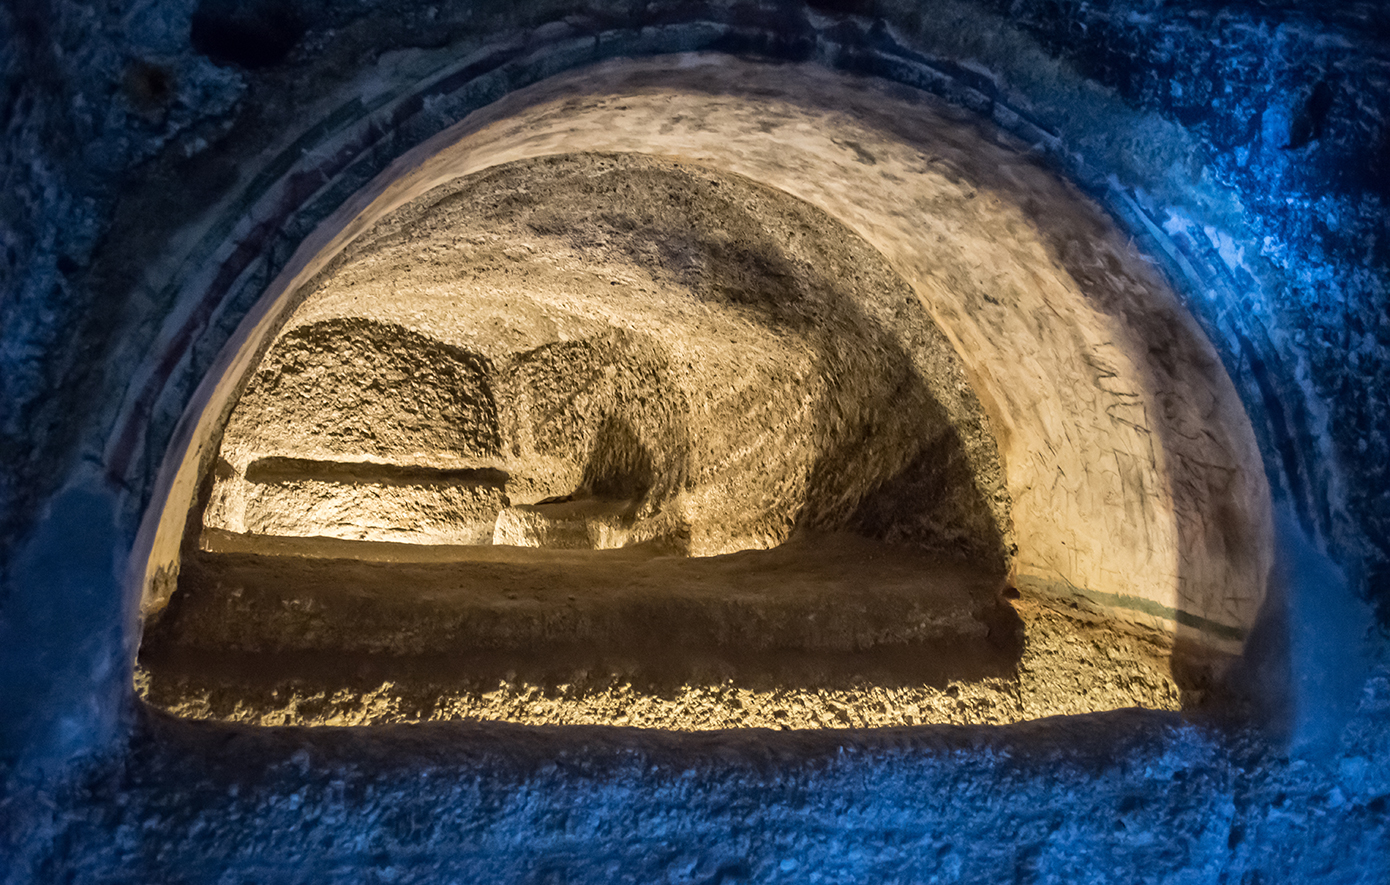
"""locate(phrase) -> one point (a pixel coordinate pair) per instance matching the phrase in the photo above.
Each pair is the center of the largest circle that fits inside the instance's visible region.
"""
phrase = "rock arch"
(1127, 475)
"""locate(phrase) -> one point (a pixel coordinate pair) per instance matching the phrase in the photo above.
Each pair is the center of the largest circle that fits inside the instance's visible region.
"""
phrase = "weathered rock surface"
(729, 359)
(1253, 136)
(821, 632)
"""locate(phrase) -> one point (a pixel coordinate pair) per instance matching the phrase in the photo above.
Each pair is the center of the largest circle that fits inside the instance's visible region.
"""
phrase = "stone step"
(818, 609)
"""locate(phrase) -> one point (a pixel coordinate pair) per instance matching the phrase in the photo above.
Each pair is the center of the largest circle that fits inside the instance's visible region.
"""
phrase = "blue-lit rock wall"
(1289, 113)
(1244, 147)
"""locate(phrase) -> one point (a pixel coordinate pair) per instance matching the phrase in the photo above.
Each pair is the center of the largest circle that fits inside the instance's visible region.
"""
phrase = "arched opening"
(932, 344)
(154, 195)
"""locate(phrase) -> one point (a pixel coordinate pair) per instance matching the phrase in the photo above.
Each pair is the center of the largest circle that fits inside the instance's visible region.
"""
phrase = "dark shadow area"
(251, 35)
(622, 383)
(894, 511)
(619, 466)
(277, 469)
(1307, 125)
(1309, 652)
(1256, 684)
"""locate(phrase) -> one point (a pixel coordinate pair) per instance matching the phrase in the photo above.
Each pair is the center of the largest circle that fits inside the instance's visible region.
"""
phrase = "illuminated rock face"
(775, 316)
(357, 430)
(708, 362)
(597, 351)
(586, 353)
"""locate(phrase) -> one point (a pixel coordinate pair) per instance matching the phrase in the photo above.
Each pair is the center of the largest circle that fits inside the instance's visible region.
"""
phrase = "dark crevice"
(251, 36)
(282, 470)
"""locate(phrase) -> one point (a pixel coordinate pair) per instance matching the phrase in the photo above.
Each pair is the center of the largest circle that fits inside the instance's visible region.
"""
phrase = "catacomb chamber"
(739, 412)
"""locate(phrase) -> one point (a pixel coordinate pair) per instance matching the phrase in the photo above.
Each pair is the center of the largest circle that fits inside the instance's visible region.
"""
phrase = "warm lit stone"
(620, 351)
(726, 357)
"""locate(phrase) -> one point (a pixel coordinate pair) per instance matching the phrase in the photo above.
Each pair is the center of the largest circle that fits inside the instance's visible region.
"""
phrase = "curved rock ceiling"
(686, 303)
(710, 362)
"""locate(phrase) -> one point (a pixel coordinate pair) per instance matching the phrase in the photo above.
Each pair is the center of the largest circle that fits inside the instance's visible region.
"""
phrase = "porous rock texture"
(1131, 468)
(1164, 800)
(1248, 138)
(725, 359)
(604, 351)
(822, 631)
(798, 645)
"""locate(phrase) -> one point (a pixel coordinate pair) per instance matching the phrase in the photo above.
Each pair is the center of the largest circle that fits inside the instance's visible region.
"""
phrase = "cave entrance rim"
(1199, 543)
